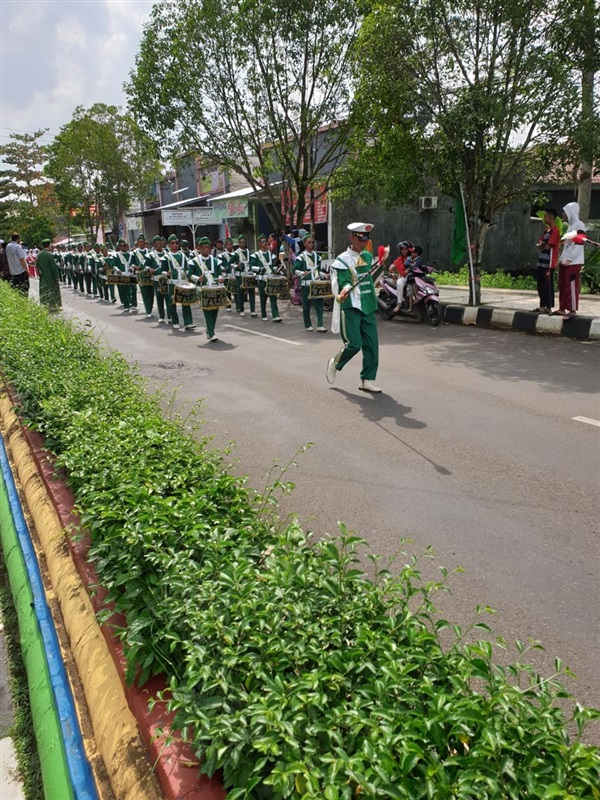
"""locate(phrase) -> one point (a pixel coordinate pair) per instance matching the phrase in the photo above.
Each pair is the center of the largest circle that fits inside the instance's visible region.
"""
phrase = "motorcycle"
(425, 297)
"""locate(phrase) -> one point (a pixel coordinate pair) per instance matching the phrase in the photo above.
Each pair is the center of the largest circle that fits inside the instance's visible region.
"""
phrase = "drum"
(185, 294)
(317, 290)
(277, 286)
(145, 278)
(122, 279)
(248, 281)
(213, 297)
(231, 285)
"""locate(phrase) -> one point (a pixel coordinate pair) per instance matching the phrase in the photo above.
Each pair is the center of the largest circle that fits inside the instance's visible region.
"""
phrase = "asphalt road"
(471, 449)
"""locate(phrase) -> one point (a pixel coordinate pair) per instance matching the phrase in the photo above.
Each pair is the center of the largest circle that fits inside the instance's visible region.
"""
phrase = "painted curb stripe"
(582, 328)
(78, 766)
(115, 729)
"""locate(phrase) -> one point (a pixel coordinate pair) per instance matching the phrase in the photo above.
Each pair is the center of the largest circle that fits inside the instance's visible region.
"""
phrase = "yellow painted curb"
(118, 739)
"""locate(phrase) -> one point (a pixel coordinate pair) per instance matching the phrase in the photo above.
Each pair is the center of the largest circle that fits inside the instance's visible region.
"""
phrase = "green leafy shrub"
(290, 671)
(494, 280)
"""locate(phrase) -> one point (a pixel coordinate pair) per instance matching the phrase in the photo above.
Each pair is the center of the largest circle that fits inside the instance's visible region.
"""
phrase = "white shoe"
(264, 319)
(213, 339)
(190, 327)
(277, 319)
(242, 313)
(175, 327)
(369, 386)
(228, 309)
(159, 321)
(254, 313)
(322, 329)
(126, 310)
(309, 329)
(149, 316)
(330, 372)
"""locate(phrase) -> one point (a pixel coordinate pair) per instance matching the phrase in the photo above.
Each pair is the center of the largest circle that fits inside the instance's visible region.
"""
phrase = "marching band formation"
(173, 278)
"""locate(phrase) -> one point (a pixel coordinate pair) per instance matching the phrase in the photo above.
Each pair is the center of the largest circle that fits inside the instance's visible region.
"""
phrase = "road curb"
(579, 327)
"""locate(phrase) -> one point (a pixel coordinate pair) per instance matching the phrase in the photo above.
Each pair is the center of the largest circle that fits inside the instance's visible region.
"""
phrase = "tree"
(577, 36)
(470, 84)
(254, 86)
(25, 157)
(98, 161)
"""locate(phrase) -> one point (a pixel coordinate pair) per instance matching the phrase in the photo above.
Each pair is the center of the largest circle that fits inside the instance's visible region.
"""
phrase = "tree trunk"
(477, 252)
(584, 189)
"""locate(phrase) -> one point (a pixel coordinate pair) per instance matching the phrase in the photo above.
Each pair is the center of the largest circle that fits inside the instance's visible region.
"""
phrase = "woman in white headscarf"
(569, 265)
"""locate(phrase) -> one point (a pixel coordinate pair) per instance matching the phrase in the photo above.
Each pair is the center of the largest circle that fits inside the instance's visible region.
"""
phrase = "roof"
(245, 192)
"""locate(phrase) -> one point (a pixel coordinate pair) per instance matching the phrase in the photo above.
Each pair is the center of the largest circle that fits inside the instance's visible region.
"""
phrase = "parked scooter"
(425, 304)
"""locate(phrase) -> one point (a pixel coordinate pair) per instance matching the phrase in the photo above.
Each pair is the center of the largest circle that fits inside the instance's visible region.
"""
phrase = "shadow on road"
(376, 408)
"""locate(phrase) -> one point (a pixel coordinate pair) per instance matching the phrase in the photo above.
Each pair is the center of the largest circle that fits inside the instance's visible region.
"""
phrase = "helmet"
(405, 244)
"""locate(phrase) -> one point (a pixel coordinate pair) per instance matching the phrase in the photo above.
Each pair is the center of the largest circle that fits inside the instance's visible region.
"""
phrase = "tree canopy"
(463, 91)
(98, 161)
(258, 87)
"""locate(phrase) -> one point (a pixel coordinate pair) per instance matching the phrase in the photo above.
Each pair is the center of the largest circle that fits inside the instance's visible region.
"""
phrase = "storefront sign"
(235, 208)
(319, 207)
(176, 217)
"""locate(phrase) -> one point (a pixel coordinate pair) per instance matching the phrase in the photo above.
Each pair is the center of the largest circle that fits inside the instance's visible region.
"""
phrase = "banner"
(236, 208)
(320, 205)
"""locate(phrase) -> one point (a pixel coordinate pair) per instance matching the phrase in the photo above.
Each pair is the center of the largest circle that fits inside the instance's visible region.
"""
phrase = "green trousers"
(318, 304)
(124, 295)
(163, 305)
(185, 310)
(210, 319)
(147, 293)
(263, 301)
(359, 332)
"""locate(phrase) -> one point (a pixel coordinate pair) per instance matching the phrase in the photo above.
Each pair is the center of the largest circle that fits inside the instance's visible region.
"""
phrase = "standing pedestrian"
(548, 244)
(49, 278)
(355, 307)
(17, 264)
(570, 264)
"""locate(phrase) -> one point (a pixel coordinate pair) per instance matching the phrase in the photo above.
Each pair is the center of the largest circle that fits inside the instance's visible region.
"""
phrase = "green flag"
(459, 253)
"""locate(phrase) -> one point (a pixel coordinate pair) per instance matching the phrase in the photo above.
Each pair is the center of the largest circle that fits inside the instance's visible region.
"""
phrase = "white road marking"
(266, 335)
(588, 420)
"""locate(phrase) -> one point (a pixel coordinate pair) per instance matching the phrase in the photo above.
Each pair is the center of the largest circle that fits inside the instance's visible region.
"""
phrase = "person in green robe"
(355, 307)
(49, 278)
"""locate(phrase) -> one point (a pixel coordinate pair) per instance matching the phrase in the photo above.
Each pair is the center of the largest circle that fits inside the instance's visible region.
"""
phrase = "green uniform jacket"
(228, 262)
(307, 261)
(122, 261)
(243, 261)
(264, 263)
(210, 263)
(345, 277)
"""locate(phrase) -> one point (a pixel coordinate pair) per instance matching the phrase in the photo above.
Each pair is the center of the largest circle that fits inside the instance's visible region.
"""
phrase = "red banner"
(320, 205)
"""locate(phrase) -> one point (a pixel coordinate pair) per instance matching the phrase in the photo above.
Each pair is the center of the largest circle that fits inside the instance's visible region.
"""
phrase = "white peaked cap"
(360, 227)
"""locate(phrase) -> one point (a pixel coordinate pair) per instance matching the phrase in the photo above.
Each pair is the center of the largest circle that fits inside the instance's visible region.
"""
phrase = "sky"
(58, 54)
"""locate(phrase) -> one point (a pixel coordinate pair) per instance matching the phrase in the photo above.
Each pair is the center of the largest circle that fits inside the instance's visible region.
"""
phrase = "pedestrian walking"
(17, 264)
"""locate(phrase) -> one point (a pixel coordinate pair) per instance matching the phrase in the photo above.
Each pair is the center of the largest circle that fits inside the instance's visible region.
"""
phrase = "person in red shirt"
(548, 245)
(400, 270)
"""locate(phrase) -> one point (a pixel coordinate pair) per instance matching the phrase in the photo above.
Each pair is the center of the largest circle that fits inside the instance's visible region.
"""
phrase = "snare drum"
(185, 294)
(317, 290)
(145, 278)
(213, 297)
(121, 279)
(277, 286)
(248, 280)
(231, 285)
(163, 283)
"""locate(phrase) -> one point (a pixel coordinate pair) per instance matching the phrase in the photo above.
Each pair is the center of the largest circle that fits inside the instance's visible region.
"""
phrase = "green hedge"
(290, 671)
(504, 280)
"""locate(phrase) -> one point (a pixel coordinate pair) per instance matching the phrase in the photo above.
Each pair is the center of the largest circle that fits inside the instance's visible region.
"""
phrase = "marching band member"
(87, 268)
(242, 266)
(228, 259)
(307, 268)
(106, 260)
(79, 264)
(157, 263)
(94, 257)
(355, 305)
(205, 270)
(124, 261)
(177, 273)
(264, 264)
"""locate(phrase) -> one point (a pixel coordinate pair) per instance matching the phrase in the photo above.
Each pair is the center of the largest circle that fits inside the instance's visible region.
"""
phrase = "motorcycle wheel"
(433, 313)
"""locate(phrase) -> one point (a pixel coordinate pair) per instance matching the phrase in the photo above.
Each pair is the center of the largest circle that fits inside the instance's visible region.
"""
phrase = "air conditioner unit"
(427, 203)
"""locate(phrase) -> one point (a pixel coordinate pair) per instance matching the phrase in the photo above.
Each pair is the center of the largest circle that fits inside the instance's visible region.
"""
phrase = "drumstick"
(383, 254)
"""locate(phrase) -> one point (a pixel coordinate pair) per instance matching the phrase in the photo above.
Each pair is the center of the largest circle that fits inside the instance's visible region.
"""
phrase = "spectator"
(569, 266)
(548, 244)
(17, 264)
